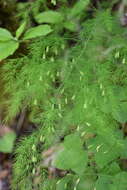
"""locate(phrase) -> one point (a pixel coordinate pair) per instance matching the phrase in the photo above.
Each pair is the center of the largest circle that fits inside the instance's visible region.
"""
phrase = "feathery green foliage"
(74, 91)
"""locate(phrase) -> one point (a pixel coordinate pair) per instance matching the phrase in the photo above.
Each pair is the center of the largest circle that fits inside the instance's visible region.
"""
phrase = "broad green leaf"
(119, 92)
(124, 152)
(72, 156)
(120, 181)
(73, 140)
(104, 150)
(72, 26)
(116, 104)
(8, 48)
(105, 155)
(79, 7)
(52, 17)
(37, 31)
(6, 142)
(119, 110)
(104, 183)
(112, 169)
(120, 113)
(20, 30)
(5, 35)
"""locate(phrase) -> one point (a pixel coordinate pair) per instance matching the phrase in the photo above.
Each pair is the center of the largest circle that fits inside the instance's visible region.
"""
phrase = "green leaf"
(20, 30)
(72, 156)
(37, 31)
(6, 142)
(52, 17)
(120, 181)
(8, 48)
(5, 35)
(105, 156)
(72, 26)
(104, 151)
(124, 152)
(79, 7)
(73, 140)
(104, 183)
(120, 113)
(119, 109)
(117, 104)
(112, 169)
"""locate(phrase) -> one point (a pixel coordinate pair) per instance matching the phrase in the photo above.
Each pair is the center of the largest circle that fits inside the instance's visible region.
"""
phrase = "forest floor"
(5, 171)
